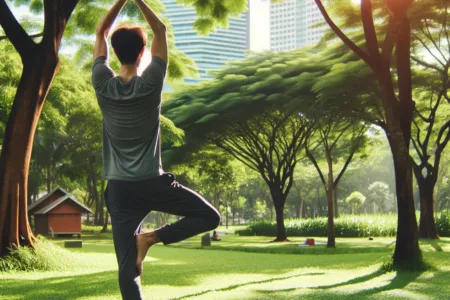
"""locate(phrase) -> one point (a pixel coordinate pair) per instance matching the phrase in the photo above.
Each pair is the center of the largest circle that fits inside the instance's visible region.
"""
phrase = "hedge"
(344, 226)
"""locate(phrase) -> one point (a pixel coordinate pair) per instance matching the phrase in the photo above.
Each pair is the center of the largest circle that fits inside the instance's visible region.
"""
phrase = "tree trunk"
(330, 188)
(319, 207)
(300, 213)
(37, 75)
(407, 245)
(427, 225)
(336, 210)
(407, 251)
(102, 203)
(49, 186)
(105, 225)
(94, 191)
(278, 202)
(217, 200)
(40, 63)
(226, 214)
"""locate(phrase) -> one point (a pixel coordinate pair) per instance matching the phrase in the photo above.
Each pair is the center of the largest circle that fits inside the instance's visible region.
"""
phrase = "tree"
(356, 200)
(443, 185)
(379, 196)
(237, 205)
(269, 144)
(276, 90)
(336, 135)
(48, 151)
(305, 182)
(216, 172)
(40, 64)
(398, 109)
(431, 130)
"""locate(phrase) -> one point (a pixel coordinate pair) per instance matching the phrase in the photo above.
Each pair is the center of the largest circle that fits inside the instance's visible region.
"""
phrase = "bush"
(344, 226)
(443, 224)
(94, 228)
(45, 256)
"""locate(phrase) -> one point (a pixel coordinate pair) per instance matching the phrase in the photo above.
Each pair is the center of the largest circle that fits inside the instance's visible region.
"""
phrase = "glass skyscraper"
(290, 24)
(209, 52)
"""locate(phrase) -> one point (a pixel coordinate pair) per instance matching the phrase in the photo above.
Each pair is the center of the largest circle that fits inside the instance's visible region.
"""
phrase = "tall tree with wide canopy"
(398, 108)
(40, 64)
(254, 111)
(431, 130)
(268, 143)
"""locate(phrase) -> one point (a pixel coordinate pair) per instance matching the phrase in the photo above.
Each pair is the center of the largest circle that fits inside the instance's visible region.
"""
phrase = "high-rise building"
(291, 24)
(210, 52)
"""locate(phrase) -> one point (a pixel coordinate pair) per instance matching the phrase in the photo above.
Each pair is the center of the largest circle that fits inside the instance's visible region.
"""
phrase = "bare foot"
(143, 242)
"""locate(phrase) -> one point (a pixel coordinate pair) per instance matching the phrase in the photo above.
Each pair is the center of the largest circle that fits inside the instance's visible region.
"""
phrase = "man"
(137, 184)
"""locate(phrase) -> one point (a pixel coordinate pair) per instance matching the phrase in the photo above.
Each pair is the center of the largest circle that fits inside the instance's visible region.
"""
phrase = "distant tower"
(290, 24)
(209, 52)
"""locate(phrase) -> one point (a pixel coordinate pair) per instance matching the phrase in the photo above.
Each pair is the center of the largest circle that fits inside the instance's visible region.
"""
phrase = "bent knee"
(213, 220)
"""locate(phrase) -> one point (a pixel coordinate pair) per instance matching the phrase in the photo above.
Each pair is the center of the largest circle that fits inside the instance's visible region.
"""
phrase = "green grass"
(177, 272)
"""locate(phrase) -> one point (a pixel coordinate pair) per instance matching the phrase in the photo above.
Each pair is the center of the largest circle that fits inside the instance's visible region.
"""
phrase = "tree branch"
(14, 31)
(389, 41)
(369, 29)
(430, 37)
(316, 165)
(428, 49)
(441, 145)
(56, 15)
(349, 159)
(427, 65)
(358, 51)
(33, 36)
(444, 25)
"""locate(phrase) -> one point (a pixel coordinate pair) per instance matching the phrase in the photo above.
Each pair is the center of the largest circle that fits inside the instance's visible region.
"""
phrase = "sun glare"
(145, 61)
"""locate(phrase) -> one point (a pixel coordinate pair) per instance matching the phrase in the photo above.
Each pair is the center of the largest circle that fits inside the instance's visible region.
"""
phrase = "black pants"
(128, 203)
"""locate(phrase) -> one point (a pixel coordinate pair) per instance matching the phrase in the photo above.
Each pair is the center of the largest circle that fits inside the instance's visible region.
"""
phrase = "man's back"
(131, 120)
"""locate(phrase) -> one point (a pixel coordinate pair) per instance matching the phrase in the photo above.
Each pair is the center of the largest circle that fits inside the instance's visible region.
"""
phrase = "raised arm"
(103, 28)
(159, 43)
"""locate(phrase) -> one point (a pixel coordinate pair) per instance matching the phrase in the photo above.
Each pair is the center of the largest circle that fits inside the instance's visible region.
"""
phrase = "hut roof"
(58, 202)
(45, 197)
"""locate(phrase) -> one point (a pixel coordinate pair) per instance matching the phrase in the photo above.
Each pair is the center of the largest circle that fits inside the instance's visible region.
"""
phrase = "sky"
(259, 25)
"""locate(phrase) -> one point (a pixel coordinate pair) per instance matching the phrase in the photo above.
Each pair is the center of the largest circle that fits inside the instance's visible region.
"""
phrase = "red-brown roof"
(41, 200)
(47, 203)
(53, 205)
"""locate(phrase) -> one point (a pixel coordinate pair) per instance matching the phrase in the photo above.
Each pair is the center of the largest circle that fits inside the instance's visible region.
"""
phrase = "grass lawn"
(251, 268)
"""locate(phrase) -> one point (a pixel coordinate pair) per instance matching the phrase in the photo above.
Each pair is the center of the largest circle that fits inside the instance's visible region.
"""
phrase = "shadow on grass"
(436, 246)
(232, 287)
(288, 249)
(71, 287)
(98, 284)
(400, 281)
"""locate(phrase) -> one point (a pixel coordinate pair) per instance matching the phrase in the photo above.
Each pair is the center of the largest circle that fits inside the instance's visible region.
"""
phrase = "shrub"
(45, 256)
(344, 226)
(443, 224)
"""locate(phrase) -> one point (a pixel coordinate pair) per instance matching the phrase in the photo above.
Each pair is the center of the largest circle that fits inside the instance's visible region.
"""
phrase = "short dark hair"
(128, 42)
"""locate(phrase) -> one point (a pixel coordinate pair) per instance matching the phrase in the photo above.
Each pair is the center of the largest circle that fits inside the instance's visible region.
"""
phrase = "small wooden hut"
(57, 213)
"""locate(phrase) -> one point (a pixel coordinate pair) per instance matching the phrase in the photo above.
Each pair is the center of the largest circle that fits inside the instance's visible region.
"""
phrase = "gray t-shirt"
(131, 120)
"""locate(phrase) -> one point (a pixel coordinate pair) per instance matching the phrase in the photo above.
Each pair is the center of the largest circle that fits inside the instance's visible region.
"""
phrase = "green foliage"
(45, 256)
(380, 195)
(344, 226)
(443, 224)
(93, 228)
(356, 200)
